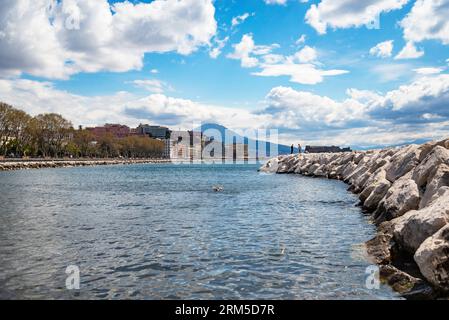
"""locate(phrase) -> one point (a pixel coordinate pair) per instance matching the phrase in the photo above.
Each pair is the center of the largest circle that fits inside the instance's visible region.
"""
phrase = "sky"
(365, 74)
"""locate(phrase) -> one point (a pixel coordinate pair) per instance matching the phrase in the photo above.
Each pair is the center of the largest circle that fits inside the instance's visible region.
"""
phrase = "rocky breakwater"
(406, 193)
(38, 164)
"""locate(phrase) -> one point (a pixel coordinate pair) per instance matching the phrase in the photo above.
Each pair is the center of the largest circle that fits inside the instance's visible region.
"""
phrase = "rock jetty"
(6, 165)
(406, 193)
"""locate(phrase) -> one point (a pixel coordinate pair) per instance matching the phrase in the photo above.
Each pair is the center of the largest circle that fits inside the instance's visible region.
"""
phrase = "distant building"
(156, 132)
(116, 130)
(326, 149)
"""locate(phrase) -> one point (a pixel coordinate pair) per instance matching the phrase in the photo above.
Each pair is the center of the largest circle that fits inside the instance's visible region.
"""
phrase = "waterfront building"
(326, 149)
(156, 132)
(116, 130)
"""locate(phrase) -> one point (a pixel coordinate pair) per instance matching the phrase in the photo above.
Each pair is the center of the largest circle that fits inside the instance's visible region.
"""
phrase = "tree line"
(50, 135)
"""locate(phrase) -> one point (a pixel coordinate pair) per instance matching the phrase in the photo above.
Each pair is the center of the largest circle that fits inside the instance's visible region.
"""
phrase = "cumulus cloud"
(243, 50)
(246, 51)
(306, 55)
(56, 39)
(348, 13)
(417, 110)
(427, 20)
(302, 67)
(383, 49)
(365, 118)
(409, 52)
(38, 97)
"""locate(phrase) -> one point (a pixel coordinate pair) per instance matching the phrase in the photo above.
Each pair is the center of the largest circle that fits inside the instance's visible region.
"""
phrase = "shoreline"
(405, 191)
(25, 164)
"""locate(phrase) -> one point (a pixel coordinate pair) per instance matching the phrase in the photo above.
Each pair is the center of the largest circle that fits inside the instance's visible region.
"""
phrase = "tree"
(54, 134)
(13, 124)
(108, 146)
(83, 139)
(5, 126)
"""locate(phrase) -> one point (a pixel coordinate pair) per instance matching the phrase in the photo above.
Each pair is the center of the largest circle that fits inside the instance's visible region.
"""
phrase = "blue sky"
(153, 61)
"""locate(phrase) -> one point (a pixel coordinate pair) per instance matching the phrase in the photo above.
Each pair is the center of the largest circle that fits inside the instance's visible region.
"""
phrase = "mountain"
(223, 133)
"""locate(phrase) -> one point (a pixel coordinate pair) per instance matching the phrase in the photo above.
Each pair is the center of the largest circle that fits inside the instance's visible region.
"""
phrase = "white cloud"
(428, 70)
(306, 55)
(281, 2)
(303, 110)
(409, 52)
(240, 19)
(305, 73)
(383, 49)
(427, 20)
(301, 67)
(74, 36)
(243, 52)
(215, 52)
(414, 111)
(122, 107)
(154, 71)
(246, 50)
(418, 95)
(348, 13)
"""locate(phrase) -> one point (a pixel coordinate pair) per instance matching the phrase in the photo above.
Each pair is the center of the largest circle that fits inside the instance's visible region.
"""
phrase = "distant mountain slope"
(230, 136)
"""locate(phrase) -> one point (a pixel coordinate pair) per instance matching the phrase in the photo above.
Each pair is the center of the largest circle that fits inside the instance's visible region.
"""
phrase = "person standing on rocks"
(292, 148)
(299, 148)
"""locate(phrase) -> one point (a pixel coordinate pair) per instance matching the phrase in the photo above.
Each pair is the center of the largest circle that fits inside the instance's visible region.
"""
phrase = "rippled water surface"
(159, 231)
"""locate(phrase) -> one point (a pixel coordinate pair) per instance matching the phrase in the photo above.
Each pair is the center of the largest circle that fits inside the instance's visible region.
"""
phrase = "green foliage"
(50, 135)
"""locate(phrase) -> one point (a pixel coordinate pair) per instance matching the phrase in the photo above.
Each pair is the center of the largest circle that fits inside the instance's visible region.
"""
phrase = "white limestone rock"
(432, 258)
(415, 226)
(440, 178)
(427, 167)
(380, 189)
(402, 162)
(373, 181)
(404, 195)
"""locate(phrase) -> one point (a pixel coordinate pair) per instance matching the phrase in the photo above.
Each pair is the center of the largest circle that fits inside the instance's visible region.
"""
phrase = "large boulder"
(373, 181)
(402, 162)
(321, 171)
(380, 189)
(404, 195)
(432, 258)
(312, 168)
(427, 167)
(415, 226)
(348, 170)
(440, 178)
(271, 166)
(426, 148)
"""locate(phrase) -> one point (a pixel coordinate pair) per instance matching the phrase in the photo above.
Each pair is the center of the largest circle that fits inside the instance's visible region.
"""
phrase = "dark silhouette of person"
(292, 149)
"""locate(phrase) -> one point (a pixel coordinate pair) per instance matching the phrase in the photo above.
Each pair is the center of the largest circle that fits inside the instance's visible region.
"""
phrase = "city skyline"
(320, 72)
